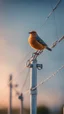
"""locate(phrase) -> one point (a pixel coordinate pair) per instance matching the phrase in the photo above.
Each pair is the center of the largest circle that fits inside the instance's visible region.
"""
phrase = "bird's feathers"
(48, 48)
(40, 41)
(36, 42)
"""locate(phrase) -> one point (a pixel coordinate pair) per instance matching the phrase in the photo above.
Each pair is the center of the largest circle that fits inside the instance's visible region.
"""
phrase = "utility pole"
(10, 97)
(21, 103)
(32, 63)
(33, 83)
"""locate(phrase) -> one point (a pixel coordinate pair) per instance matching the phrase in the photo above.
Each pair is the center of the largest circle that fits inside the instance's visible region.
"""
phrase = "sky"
(17, 18)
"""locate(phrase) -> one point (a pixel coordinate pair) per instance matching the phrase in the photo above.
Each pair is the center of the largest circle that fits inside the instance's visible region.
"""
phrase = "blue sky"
(17, 18)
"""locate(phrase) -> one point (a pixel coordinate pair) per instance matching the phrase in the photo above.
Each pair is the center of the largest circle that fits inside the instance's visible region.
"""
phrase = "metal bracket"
(39, 66)
(33, 57)
(21, 97)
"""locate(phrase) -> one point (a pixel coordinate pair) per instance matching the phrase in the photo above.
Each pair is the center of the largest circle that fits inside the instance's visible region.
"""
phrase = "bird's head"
(33, 33)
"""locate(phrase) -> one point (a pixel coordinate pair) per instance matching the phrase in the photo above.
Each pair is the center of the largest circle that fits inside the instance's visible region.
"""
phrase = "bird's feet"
(38, 52)
(35, 54)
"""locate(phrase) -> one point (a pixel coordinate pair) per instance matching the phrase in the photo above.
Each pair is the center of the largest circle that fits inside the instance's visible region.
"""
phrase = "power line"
(42, 82)
(15, 77)
(15, 89)
(21, 70)
(19, 74)
(20, 63)
(51, 12)
(53, 74)
(25, 80)
(23, 67)
(57, 41)
(54, 21)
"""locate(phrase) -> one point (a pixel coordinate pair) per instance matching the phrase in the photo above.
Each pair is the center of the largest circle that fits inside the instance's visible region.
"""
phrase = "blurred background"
(17, 18)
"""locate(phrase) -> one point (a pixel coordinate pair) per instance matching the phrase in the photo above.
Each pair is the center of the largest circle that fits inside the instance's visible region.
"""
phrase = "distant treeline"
(40, 110)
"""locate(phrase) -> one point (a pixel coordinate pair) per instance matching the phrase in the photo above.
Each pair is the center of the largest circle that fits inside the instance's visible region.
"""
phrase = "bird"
(36, 42)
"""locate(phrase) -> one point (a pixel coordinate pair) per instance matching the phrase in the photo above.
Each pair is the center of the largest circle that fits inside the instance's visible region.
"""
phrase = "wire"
(25, 80)
(53, 74)
(51, 12)
(20, 73)
(56, 42)
(42, 82)
(14, 88)
(16, 91)
(23, 67)
(23, 59)
(54, 21)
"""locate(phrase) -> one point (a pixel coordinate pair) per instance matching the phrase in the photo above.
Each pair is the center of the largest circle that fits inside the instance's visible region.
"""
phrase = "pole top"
(10, 76)
(21, 97)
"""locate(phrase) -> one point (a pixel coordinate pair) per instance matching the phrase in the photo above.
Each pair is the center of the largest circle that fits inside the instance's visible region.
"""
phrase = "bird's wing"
(41, 41)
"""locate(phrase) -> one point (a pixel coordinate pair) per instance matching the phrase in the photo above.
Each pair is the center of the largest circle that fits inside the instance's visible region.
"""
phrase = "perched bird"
(36, 42)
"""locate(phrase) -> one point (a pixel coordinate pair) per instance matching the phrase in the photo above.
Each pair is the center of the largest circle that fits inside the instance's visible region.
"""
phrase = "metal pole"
(21, 103)
(33, 83)
(10, 97)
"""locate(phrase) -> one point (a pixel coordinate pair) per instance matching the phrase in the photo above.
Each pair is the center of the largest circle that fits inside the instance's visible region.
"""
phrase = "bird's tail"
(49, 48)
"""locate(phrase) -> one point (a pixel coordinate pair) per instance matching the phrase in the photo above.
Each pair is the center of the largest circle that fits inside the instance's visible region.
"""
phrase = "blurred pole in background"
(21, 103)
(10, 95)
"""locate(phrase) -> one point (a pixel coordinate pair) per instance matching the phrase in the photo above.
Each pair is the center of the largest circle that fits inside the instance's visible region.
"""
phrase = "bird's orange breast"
(35, 44)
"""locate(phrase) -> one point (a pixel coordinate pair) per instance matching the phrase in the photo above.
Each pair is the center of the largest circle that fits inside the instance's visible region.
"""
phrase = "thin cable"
(16, 91)
(51, 12)
(23, 67)
(56, 42)
(25, 80)
(42, 82)
(54, 21)
(53, 74)
(23, 59)
(20, 73)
